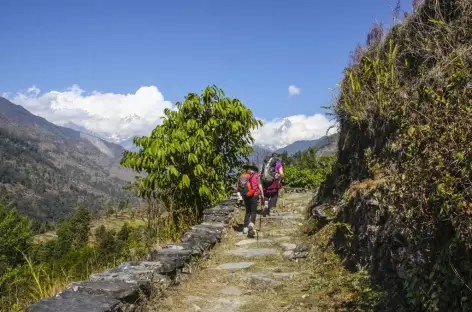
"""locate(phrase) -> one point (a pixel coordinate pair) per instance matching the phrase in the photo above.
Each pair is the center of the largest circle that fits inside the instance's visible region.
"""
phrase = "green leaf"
(203, 191)
(192, 158)
(173, 171)
(185, 180)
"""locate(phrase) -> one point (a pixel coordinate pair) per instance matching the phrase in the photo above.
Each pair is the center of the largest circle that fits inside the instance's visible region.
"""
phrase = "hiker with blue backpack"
(271, 178)
(250, 187)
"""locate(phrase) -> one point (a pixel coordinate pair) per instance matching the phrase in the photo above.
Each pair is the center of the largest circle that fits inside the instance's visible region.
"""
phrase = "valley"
(48, 171)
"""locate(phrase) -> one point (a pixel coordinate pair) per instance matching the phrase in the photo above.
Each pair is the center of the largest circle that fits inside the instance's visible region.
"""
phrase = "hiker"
(272, 178)
(250, 187)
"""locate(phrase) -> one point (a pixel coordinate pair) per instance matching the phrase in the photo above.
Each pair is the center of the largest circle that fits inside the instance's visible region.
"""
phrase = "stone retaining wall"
(130, 285)
(299, 190)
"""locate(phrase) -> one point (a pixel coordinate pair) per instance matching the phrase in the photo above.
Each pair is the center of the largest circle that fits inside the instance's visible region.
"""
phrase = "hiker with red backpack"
(250, 187)
(271, 178)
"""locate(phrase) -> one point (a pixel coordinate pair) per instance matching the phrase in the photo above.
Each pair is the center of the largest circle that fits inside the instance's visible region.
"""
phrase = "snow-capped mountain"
(290, 133)
(278, 135)
(125, 142)
(110, 137)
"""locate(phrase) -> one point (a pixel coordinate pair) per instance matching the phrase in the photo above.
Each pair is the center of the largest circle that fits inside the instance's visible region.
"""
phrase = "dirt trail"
(245, 274)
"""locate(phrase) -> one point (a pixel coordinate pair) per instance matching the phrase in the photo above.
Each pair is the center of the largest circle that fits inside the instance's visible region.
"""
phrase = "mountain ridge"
(325, 145)
(50, 170)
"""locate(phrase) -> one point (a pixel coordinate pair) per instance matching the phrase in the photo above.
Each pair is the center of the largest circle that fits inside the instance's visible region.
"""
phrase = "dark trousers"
(271, 197)
(251, 210)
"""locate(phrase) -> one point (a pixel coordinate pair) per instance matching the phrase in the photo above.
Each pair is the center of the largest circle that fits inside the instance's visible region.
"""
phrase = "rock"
(288, 247)
(171, 259)
(301, 251)
(221, 212)
(267, 277)
(324, 214)
(123, 291)
(144, 273)
(213, 226)
(302, 248)
(233, 291)
(227, 304)
(235, 266)
(246, 242)
(196, 308)
(216, 232)
(252, 253)
(196, 248)
(77, 302)
(205, 240)
(258, 280)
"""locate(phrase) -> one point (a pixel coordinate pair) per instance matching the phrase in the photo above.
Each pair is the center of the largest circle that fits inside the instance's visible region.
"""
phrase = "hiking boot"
(251, 231)
(245, 230)
(265, 212)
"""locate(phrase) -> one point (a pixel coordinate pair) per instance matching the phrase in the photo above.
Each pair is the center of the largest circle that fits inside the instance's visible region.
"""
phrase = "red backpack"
(244, 186)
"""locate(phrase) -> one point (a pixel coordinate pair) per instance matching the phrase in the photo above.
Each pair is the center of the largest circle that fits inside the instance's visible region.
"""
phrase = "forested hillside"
(49, 171)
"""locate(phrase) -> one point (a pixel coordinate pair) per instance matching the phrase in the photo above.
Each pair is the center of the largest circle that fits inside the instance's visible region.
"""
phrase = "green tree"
(123, 234)
(15, 237)
(107, 244)
(81, 225)
(74, 232)
(189, 158)
(123, 205)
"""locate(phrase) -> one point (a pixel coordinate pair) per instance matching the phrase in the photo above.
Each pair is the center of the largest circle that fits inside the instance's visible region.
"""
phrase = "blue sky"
(251, 49)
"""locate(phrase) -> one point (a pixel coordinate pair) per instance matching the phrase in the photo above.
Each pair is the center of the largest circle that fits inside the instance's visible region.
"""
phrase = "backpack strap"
(250, 178)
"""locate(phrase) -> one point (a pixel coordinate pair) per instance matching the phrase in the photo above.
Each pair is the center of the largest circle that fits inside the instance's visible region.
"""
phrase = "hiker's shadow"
(238, 227)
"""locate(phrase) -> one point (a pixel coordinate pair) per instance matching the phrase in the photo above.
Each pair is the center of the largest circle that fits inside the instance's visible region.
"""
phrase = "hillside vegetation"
(402, 179)
(306, 169)
(49, 171)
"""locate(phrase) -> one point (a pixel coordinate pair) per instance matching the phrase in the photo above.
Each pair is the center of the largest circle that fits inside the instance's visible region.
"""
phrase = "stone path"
(244, 274)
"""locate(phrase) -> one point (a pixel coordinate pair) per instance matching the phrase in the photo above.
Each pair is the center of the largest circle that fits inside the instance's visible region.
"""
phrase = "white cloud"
(98, 112)
(293, 90)
(281, 132)
(106, 114)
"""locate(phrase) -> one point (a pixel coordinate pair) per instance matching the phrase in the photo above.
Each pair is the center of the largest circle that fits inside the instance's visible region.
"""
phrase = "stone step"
(247, 242)
(235, 266)
(252, 253)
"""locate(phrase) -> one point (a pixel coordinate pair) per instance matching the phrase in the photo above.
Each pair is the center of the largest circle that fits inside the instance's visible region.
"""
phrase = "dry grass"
(363, 186)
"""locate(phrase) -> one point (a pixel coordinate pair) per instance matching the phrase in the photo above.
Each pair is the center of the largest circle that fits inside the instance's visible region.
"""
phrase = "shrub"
(190, 157)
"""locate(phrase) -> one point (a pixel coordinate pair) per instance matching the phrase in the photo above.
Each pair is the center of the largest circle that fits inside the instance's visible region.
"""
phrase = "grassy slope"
(402, 179)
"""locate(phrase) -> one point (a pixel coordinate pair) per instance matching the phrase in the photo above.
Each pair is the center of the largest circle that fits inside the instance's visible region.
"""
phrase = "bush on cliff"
(404, 158)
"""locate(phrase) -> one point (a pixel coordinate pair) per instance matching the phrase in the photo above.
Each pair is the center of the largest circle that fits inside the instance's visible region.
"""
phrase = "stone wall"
(130, 285)
(298, 190)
